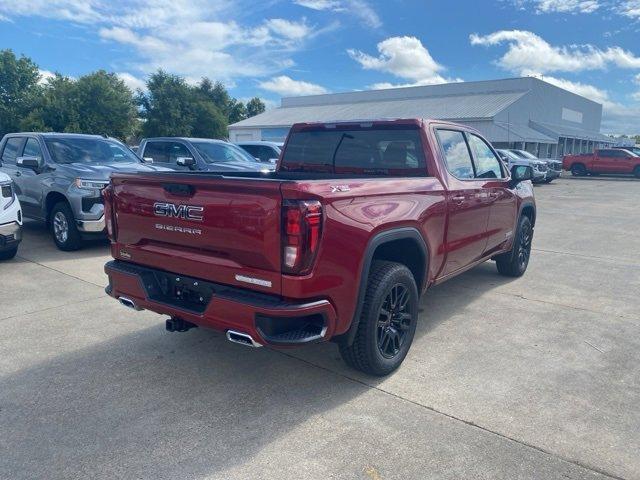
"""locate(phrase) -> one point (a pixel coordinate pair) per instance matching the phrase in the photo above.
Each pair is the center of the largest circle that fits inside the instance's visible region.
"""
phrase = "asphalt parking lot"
(537, 377)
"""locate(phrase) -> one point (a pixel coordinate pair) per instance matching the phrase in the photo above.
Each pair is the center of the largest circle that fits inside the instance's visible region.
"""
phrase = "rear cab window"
(367, 151)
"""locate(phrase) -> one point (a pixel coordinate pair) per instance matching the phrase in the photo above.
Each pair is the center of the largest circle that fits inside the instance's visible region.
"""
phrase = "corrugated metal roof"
(503, 132)
(564, 131)
(448, 107)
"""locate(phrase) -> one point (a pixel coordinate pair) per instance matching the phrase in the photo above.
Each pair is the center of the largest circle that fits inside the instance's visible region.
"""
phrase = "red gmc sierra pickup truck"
(338, 243)
(610, 160)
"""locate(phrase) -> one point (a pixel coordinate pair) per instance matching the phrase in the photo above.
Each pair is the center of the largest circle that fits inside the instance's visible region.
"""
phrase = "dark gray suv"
(58, 178)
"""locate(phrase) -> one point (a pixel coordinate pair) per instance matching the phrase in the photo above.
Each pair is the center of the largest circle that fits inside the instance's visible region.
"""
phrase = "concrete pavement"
(530, 378)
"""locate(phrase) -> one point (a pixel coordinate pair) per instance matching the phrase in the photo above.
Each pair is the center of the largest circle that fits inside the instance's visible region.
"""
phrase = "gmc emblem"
(185, 212)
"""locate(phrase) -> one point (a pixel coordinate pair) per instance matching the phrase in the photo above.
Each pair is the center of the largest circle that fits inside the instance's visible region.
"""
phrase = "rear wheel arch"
(529, 210)
(404, 245)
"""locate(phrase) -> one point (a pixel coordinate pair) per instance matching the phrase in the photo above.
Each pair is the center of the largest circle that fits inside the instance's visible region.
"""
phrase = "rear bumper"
(269, 319)
(10, 235)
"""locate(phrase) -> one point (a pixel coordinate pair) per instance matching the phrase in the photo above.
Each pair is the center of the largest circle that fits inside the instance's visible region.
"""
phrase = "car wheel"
(636, 171)
(388, 320)
(578, 170)
(514, 262)
(63, 228)
(8, 254)
(548, 180)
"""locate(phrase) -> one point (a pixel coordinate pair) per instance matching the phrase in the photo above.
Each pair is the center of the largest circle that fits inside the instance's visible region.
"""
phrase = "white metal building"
(525, 113)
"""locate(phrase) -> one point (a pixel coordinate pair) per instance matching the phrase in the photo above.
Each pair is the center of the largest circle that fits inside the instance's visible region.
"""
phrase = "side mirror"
(34, 163)
(185, 161)
(520, 173)
(273, 161)
(147, 160)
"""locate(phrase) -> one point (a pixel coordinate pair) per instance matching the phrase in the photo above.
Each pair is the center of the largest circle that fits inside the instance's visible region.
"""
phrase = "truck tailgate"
(225, 230)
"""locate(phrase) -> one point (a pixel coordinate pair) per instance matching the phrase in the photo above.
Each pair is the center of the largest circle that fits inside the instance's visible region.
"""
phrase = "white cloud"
(567, 6)
(528, 53)
(333, 5)
(630, 8)
(358, 8)
(403, 57)
(193, 38)
(45, 75)
(288, 29)
(134, 83)
(289, 87)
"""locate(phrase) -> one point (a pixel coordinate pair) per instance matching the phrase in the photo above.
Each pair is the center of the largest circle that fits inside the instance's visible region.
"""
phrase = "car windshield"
(525, 154)
(89, 150)
(509, 154)
(214, 152)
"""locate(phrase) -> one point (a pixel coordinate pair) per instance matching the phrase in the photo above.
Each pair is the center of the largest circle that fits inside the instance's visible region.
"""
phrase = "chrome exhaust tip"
(127, 302)
(242, 339)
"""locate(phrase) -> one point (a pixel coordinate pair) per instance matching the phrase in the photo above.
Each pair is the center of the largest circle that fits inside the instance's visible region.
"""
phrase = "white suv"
(10, 219)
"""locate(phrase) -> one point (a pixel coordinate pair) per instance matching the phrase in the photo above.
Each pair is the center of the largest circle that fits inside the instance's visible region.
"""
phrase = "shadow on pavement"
(159, 405)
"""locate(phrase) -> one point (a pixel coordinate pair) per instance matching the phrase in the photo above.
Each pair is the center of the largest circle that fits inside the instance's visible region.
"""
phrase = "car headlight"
(90, 184)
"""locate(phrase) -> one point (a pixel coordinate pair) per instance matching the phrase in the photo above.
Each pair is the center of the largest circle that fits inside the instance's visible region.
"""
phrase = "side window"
(487, 164)
(176, 150)
(10, 151)
(251, 150)
(456, 153)
(606, 153)
(157, 151)
(32, 148)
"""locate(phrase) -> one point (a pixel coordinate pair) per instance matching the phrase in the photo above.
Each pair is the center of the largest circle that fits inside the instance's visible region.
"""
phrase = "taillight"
(107, 196)
(301, 231)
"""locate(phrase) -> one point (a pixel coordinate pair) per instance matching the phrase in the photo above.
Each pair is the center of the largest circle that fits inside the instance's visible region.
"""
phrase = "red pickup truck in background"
(613, 160)
(338, 243)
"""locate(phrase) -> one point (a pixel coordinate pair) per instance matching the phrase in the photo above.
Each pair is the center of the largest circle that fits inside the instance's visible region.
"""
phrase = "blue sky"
(275, 48)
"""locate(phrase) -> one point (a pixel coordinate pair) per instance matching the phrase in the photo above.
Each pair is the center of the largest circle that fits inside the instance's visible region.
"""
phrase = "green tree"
(19, 89)
(105, 105)
(55, 109)
(255, 106)
(166, 106)
(171, 107)
(97, 103)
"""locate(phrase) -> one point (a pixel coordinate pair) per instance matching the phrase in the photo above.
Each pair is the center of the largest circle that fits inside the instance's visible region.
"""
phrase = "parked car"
(199, 154)
(337, 243)
(266, 152)
(554, 167)
(634, 149)
(58, 178)
(609, 160)
(10, 219)
(539, 167)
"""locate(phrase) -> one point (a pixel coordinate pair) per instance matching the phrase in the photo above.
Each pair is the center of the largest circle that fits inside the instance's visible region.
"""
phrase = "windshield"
(509, 154)
(524, 154)
(214, 152)
(89, 150)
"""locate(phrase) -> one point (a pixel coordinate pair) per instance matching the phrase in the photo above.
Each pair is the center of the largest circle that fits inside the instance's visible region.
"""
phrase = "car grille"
(542, 168)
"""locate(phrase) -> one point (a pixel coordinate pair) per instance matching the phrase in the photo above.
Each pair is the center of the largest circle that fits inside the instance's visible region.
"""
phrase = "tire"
(514, 262)
(63, 228)
(636, 172)
(383, 339)
(8, 254)
(578, 170)
(548, 180)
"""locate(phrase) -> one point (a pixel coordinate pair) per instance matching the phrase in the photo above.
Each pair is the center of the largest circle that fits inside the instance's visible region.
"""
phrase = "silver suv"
(59, 177)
